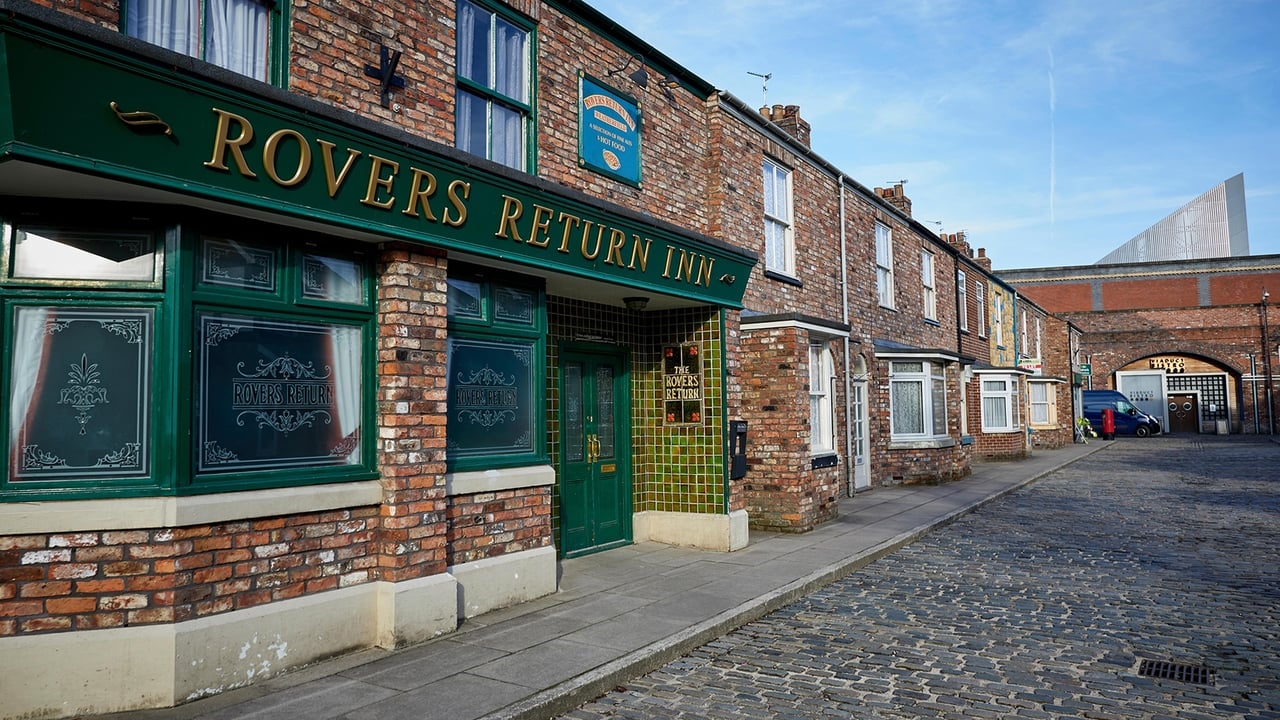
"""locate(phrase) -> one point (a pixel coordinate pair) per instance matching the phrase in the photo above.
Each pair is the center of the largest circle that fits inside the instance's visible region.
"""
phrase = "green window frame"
(497, 370)
(134, 342)
(494, 106)
(250, 37)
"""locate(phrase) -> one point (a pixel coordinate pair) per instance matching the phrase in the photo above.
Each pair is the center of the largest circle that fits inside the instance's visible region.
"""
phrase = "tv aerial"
(764, 85)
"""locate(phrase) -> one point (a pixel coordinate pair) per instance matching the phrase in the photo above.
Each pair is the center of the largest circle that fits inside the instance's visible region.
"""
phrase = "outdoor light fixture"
(640, 76)
(636, 303)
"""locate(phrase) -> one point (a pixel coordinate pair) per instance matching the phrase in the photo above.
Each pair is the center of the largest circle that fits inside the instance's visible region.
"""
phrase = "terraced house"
(332, 324)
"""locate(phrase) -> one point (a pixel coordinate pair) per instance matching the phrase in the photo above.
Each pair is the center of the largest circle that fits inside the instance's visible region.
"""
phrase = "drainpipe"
(844, 318)
(1253, 373)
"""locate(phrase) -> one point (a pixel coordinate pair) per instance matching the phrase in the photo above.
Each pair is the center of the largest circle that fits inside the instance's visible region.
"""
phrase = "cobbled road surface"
(1040, 605)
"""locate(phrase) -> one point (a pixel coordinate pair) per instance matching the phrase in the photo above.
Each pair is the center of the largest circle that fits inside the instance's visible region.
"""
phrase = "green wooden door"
(595, 450)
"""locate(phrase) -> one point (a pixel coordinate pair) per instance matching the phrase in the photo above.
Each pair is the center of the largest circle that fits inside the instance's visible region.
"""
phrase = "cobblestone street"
(1039, 605)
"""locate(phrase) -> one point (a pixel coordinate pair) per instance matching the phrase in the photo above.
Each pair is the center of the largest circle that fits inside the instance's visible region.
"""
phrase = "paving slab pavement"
(617, 614)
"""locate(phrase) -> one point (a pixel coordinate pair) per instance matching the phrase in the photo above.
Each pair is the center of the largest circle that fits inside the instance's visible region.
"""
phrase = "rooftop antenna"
(764, 85)
(895, 182)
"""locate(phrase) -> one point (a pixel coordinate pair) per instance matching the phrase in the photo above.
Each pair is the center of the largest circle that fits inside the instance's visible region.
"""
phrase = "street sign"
(1086, 369)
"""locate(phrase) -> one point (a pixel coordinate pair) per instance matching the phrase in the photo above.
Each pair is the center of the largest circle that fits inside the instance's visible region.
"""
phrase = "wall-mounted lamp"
(640, 76)
(636, 303)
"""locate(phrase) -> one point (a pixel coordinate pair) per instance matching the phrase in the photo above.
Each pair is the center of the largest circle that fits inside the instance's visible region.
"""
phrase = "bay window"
(917, 399)
(999, 403)
(821, 411)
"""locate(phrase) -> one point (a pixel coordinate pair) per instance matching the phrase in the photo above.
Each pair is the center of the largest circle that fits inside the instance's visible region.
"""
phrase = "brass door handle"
(593, 448)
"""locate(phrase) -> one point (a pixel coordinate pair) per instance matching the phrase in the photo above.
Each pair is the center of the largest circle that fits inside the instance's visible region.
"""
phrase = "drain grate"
(1181, 672)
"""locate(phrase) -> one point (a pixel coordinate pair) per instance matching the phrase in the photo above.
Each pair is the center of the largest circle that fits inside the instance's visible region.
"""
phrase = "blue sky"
(1050, 131)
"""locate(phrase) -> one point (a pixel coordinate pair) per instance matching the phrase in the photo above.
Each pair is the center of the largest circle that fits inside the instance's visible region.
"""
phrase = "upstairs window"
(244, 36)
(962, 306)
(980, 294)
(779, 240)
(929, 281)
(493, 75)
(884, 265)
(997, 319)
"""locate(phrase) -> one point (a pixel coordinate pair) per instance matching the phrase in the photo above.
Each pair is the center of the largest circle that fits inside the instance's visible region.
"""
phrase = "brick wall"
(91, 580)
(486, 525)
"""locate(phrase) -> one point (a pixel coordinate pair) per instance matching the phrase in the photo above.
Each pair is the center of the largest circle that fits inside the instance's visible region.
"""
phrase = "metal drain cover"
(1181, 672)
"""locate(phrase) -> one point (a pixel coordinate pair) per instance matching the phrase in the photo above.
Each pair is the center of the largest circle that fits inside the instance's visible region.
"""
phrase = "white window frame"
(962, 307)
(931, 378)
(822, 426)
(997, 319)
(1039, 353)
(980, 293)
(884, 265)
(779, 230)
(1022, 331)
(1048, 403)
(1005, 388)
(929, 281)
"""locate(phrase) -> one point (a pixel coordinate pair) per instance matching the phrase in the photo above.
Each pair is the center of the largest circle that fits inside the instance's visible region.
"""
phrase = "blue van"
(1129, 419)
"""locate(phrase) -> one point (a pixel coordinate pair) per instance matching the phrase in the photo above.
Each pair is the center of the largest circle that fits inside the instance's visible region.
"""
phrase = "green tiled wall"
(676, 468)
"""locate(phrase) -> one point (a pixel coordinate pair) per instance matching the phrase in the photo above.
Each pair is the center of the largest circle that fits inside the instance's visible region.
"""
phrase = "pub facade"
(335, 337)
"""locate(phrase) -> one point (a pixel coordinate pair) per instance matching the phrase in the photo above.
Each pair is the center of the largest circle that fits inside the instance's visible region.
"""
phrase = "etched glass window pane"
(332, 279)
(236, 264)
(80, 381)
(55, 254)
(573, 415)
(276, 394)
(514, 305)
(491, 397)
(604, 409)
(465, 299)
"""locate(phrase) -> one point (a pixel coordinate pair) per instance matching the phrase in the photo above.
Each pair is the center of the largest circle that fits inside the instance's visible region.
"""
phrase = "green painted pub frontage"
(280, 382)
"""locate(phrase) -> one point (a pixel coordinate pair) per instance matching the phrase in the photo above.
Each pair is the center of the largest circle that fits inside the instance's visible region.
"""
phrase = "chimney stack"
(983, 260)
(957, 241)
(788, 118)
(896, 197)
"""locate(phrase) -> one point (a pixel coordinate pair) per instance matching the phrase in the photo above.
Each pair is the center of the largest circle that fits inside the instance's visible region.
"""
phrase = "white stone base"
(499, 582)
(723, 533)
(151, 666)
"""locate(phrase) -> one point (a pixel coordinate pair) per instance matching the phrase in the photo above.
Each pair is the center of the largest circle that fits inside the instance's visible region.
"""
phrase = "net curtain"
(235, 31)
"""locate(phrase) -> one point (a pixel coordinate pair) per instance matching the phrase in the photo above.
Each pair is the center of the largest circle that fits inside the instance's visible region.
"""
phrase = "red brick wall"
(90, 580)
(487, 525)
(1136, 294)
(1060, 298)
(412, 411)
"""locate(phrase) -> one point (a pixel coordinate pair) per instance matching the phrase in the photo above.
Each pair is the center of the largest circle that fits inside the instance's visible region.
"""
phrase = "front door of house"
(595, 449)
(1184, 413)
(861, 461)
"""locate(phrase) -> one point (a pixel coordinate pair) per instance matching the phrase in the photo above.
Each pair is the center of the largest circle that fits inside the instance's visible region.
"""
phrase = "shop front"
(281, 382)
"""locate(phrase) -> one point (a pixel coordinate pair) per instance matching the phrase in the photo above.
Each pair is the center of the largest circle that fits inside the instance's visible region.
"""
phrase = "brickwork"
(1198, 310)
(92, 580)
(412, 410)
(486, 525)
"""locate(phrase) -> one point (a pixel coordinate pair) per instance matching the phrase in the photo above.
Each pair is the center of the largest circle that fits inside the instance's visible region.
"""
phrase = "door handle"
(593, 448)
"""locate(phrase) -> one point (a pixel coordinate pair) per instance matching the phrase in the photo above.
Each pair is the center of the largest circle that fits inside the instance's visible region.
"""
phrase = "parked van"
(1129, 419)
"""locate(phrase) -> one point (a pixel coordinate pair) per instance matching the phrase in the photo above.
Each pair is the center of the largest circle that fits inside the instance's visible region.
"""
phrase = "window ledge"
(62, 516)
(825, 460)
(922, 444)
(1002, 431)
(482, 481)
(783, 277)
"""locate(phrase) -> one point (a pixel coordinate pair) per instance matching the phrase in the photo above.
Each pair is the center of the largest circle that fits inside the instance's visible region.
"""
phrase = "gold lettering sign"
(289, 158)
(1168, 364)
